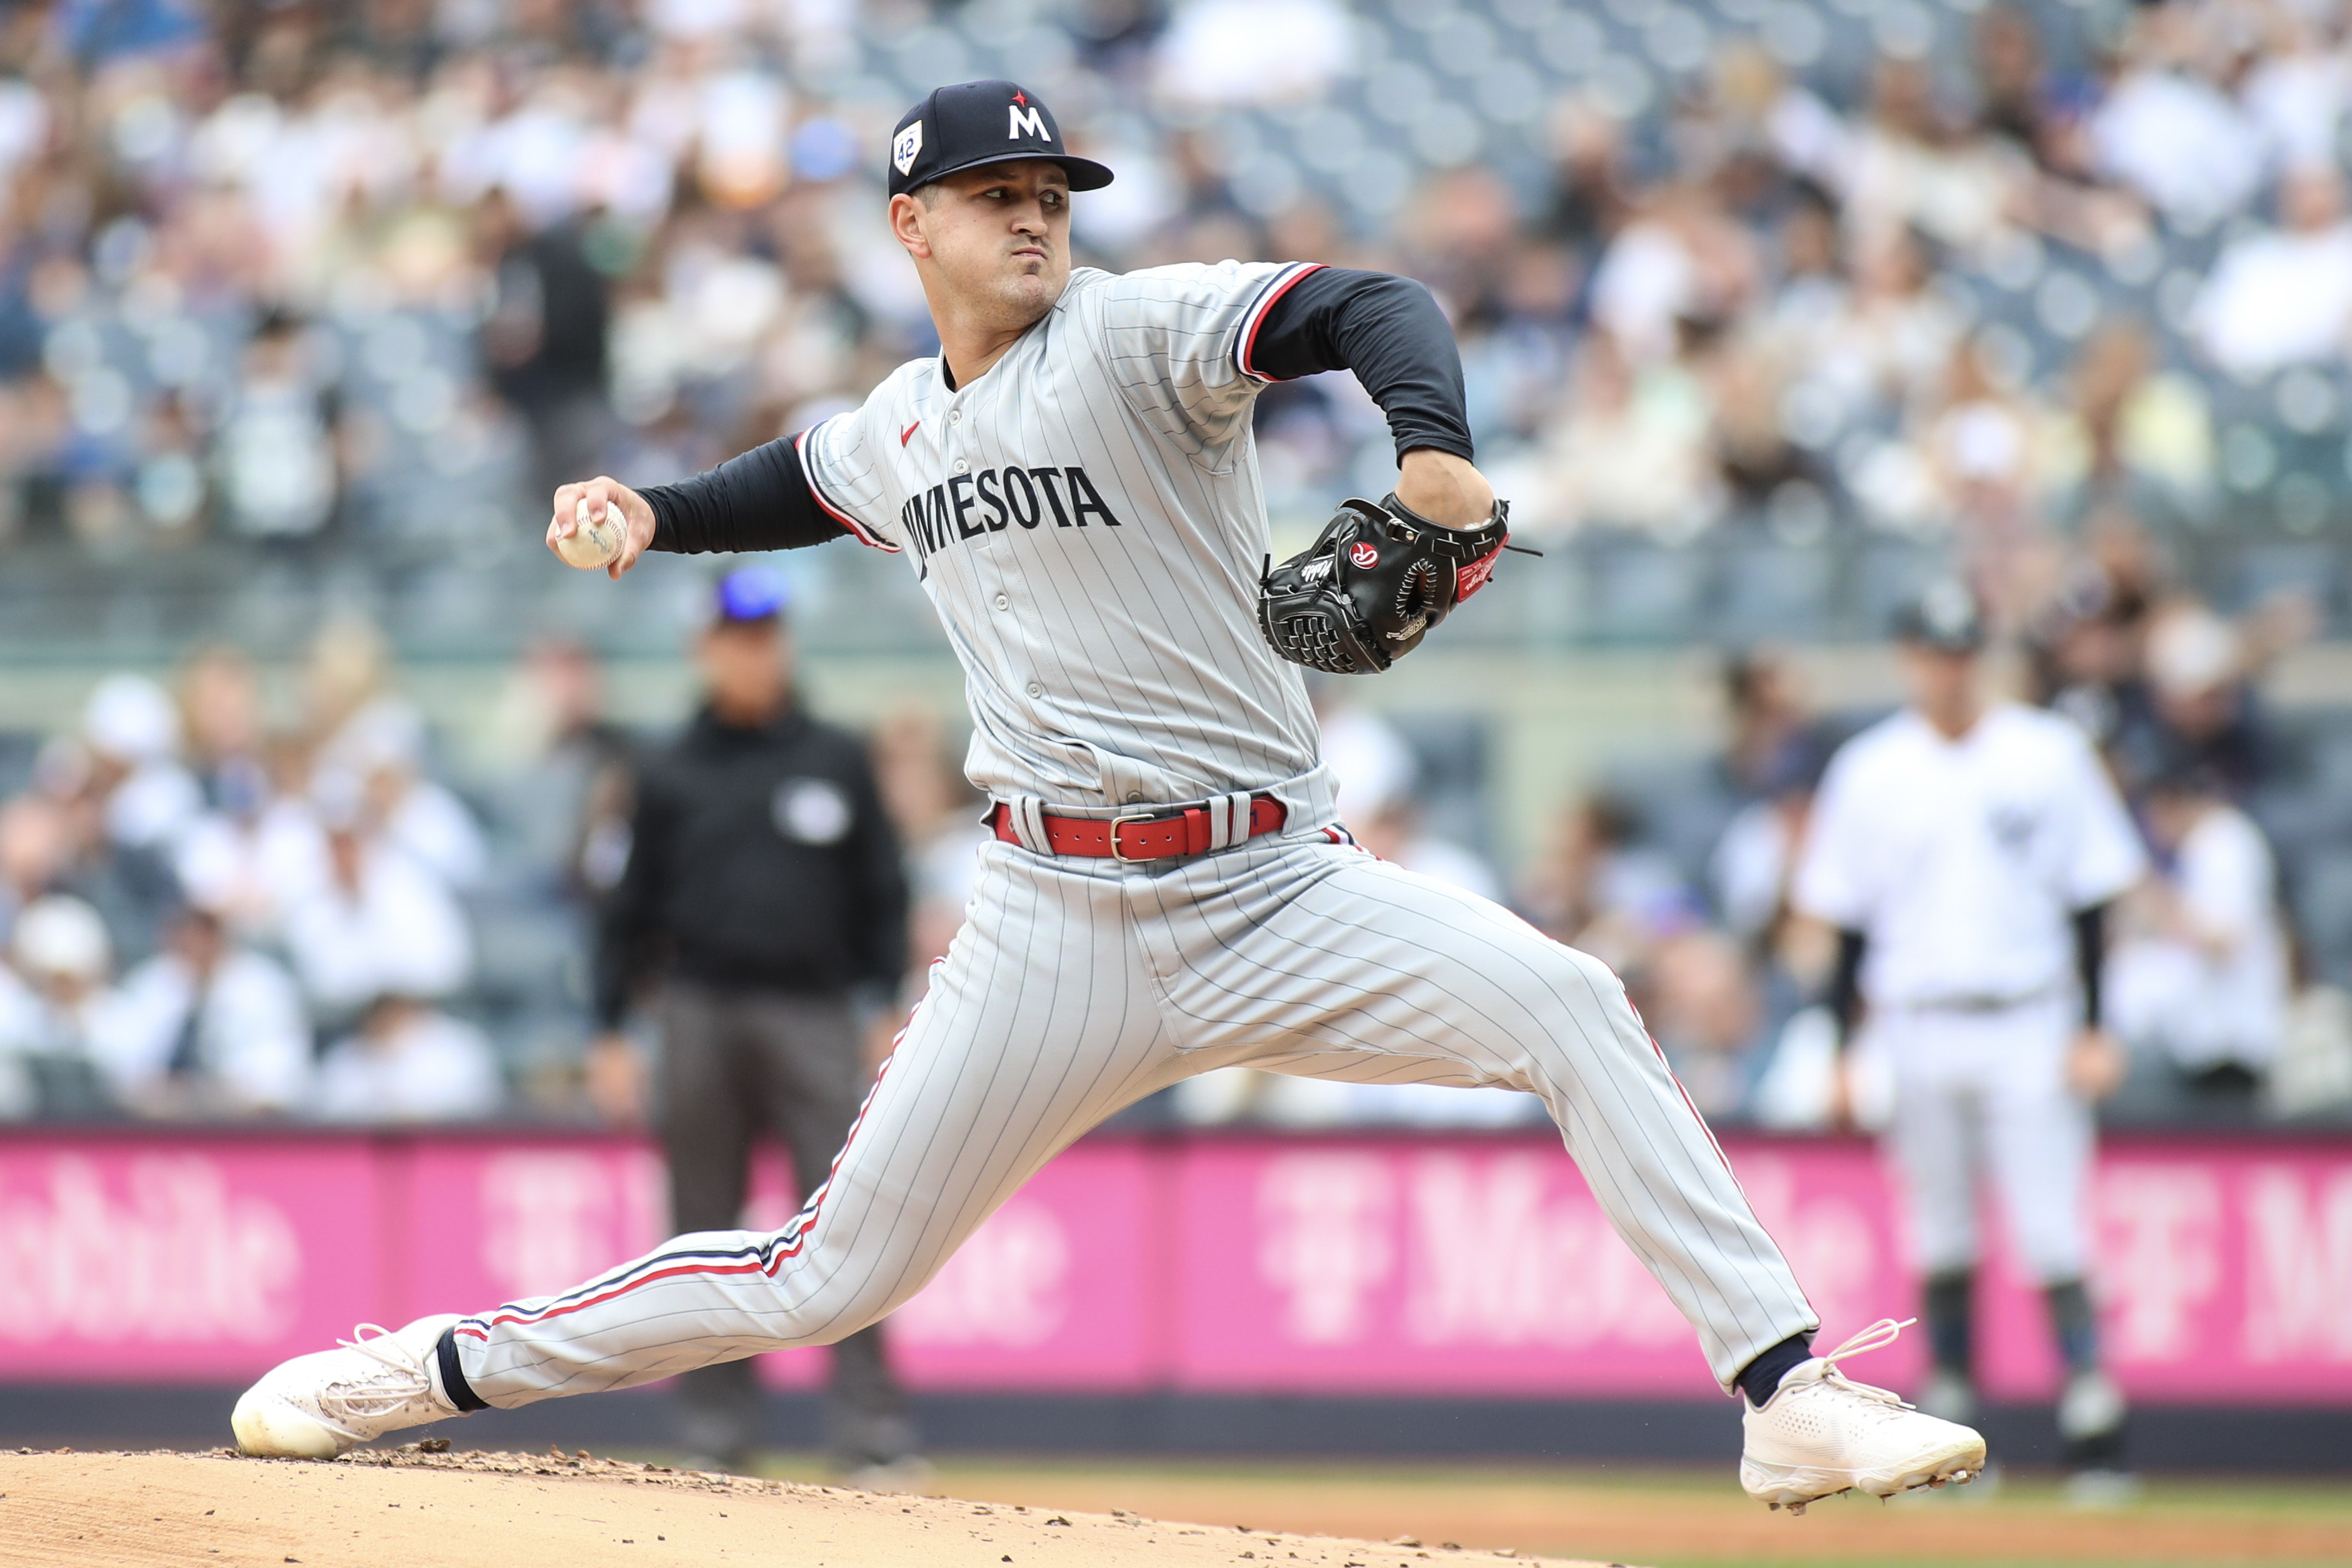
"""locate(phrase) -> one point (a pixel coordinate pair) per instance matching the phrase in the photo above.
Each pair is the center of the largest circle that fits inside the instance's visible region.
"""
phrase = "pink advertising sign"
(166, 1260)
(1486, 1265)
(1049, 1293)
(1401, 1264)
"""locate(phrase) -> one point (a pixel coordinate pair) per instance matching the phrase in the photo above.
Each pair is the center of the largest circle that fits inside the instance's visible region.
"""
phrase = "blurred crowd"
(209, 914)
(293, 271)
(2043, 286)
(240, 896)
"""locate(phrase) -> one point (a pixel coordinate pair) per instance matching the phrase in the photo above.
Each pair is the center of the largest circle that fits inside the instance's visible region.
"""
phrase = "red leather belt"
(1141, 835)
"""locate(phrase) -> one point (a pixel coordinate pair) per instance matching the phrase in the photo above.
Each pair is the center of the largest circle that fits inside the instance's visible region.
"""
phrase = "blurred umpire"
(764, 887)
(1966, 851)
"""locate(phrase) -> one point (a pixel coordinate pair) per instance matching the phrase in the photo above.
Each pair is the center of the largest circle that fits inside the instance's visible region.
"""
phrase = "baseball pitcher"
(1168, 889)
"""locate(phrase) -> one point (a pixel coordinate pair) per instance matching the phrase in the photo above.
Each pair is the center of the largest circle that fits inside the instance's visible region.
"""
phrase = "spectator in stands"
(54, 1013)
(1218, 52)
(2014, 73)
(764, 887)
(1379, 794)
(2139, 438)
(2083, 650)
(383, 747)
(1750, 867)
(1772, 730)
(1899, 335)
(276, 450)
(1913, 169)
(1590, 198)
(33, 852)
(131, 885)
(261, 849)
(1600, 888)
(132, 730)
(1680, 259)
(2295, 90)
(1629, 449)
(2284, 296)
(378, 923)
(408, 1062)
(1397, 830)
(1759, 469)
(545, 336)
(2166, 128)
(2200, 982)
(1380, 786)
(2203, 712)
(207, 1028)
(220, 702)
(346, 683)
(1708, 1019)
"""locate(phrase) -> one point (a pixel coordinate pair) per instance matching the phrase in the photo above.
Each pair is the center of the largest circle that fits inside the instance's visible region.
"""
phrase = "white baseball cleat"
(317, 1406)
(1821, 1433)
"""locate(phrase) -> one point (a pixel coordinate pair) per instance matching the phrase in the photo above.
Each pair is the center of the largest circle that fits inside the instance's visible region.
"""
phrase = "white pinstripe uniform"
(1088, 520)
(1960, 861)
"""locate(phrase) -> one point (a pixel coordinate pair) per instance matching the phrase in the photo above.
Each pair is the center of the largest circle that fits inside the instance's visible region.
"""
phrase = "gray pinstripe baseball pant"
(1080, 986)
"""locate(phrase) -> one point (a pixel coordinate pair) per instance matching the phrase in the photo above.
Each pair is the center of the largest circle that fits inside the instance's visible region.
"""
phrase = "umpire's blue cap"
(976, 122)
(747, 594)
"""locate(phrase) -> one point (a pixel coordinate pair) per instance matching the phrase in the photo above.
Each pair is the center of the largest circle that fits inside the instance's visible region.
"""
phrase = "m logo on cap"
(909, 143)
(1027, 119)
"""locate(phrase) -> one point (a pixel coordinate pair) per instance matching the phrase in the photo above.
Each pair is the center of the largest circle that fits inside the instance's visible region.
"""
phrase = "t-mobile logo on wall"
(1324, 1241)
(155, 1249)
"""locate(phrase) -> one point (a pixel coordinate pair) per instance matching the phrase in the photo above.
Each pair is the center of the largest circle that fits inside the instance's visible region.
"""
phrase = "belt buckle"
(1115, 823)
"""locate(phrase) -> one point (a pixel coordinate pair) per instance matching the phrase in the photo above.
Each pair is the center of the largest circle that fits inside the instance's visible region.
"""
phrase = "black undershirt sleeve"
(1387, 329)
(758, 501)
(1845, 983)
(2090, 957)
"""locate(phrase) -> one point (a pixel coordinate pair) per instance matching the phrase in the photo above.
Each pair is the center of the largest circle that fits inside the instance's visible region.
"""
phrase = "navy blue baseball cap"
(1944, 616)
(976, 122)
(749, 593)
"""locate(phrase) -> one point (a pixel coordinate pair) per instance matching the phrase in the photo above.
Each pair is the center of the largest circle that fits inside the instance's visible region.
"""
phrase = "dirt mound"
(443, 1509)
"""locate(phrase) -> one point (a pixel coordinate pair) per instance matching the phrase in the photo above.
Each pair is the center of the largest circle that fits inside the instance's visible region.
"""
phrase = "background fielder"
(1966, 851)
(1170, 891)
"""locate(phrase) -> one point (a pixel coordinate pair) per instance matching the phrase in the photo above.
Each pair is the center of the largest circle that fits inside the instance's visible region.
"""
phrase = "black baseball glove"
(1370, 587)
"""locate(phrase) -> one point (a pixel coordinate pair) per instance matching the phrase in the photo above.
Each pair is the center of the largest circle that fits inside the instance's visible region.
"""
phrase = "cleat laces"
(1884, 1405)
(404, 1377)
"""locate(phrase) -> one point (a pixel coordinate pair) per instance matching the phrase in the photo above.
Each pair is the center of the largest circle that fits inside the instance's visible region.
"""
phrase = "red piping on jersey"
(801, 1225)
(800, 448)
(1257, 319)
(1674, 1078)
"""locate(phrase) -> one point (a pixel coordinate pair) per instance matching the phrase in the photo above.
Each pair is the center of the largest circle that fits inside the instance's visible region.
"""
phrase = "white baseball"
(592, 545)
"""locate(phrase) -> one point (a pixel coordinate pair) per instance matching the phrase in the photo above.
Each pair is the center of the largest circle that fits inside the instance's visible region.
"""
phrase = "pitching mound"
(448, 1510)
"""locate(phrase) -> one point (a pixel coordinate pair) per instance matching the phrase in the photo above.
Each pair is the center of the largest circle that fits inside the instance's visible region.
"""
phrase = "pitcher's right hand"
(600, 493)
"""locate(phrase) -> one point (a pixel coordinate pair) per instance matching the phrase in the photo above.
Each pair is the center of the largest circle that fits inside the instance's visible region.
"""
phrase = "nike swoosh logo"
(909, 434)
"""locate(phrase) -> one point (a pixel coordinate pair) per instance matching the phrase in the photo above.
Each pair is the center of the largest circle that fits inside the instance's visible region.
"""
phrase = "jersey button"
(1003, 601)
(1036, 688)
(955, 416)
(961, 467)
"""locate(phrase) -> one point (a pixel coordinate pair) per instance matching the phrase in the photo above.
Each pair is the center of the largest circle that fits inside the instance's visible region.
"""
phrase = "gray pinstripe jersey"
(1088, 520)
